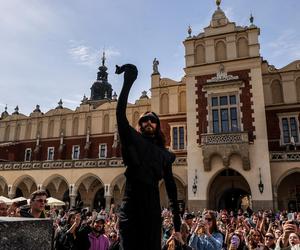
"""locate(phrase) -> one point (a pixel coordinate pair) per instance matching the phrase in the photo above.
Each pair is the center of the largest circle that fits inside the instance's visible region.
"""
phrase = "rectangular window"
(224, 120)
(181, 137)
(224, 114)
(50, 154)
(102, 151)
(27, 156)
(289, 129)
(75, 152)
(178, 138)
(175, 138)
(215, 114)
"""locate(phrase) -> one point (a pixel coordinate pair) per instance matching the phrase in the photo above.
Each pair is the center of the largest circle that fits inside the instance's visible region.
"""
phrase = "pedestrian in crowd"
(289, 240)
(67, 237)
(114, 241)
(189, 220)
(38, 200)
(147, 161)
(270, 241)
(3, 208)
(175, 242)
(206, 235)
(93, 235)
(254, 240)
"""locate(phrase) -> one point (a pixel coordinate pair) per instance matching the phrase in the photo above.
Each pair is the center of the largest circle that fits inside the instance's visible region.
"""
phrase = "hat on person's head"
(188, 216)
(100, 218)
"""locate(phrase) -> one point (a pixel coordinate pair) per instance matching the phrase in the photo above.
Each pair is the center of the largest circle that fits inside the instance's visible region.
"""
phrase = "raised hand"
(130, 73)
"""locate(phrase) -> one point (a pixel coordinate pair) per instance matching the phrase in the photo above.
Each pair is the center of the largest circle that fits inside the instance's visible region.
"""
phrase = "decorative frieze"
(285, 156)
(225, 145)
(103, 163)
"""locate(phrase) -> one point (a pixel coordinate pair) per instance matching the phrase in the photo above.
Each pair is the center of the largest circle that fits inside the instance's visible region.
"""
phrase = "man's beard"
(148, 130)
(100, 231)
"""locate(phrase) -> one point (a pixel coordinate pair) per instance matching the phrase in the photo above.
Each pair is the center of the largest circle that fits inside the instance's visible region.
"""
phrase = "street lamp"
(194, 187)
(260, 184)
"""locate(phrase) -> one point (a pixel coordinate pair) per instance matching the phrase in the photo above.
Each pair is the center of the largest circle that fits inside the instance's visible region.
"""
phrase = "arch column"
(108, 196)
(72, 195)
(11, 192)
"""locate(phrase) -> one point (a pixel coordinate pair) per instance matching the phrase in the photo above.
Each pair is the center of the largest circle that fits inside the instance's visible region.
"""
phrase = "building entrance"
(229, 190)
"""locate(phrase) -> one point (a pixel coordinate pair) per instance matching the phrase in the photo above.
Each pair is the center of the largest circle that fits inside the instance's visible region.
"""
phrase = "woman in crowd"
(270, 242)
(206, 235)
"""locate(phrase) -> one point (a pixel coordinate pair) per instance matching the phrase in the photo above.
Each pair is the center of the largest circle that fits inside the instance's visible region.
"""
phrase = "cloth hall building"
(232, 120)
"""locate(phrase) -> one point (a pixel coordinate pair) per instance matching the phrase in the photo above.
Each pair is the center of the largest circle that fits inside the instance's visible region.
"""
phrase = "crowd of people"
(79, 228)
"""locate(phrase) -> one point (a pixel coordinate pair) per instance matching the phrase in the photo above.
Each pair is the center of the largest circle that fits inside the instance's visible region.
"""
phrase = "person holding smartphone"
(206, 235)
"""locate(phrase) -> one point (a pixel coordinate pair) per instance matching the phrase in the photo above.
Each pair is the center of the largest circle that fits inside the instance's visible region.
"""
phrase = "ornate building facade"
(233, 122)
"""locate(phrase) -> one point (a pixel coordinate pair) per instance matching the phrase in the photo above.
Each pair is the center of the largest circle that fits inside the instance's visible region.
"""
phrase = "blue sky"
(50, 49)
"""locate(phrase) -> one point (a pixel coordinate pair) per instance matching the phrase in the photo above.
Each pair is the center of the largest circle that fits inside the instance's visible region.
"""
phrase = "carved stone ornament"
(222, 76)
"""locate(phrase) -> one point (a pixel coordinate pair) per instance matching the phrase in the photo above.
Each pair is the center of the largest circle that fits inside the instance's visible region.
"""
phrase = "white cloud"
(286, 44)
(87, 55)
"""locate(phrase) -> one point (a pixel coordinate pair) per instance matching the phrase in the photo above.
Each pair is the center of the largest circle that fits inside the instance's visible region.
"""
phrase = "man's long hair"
(158, 135)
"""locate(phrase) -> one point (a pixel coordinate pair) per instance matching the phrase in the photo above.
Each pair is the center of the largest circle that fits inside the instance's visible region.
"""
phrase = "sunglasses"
(208, 219)
(269, 236)
(41, 201)
(148, 118)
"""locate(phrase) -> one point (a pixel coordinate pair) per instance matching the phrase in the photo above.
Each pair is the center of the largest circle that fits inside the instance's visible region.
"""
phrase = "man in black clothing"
(147, 161)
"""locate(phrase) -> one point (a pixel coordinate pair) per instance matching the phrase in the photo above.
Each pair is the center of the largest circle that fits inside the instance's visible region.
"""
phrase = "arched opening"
(288, 192)
(182, 101)
(28, 131)
(25, 186)
(227, 190)
(164, 104)
(106, 123)
(200, 54)
(242, 46)
(118, 189)
(17, 132)
(3, 187)
(75, 126)
(7, 132)
(181, 194)
(91, 190)
(276, 89)
(220, 51)
(99, 200)
(50, 128)
(57, 187)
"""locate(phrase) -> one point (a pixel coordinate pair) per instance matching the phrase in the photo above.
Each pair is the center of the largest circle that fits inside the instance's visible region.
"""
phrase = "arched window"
(220, 51)
(164, 104)
(242, 47)
(7, 132)
(50, 128)
(106, 123)
(75, 126)
(298, 88)
(276, 89)
(135, 119)
(182, 101)
(17, 132)
(28, 131)
(200, 54)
